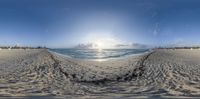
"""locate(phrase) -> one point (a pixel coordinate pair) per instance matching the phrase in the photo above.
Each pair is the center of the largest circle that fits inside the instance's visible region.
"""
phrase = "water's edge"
(105, 58)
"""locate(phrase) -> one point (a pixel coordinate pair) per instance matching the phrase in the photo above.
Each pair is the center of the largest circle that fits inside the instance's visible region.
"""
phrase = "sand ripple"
(162, 73)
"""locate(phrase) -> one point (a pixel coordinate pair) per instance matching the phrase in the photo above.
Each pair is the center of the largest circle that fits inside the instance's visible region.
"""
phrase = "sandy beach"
(161, 73)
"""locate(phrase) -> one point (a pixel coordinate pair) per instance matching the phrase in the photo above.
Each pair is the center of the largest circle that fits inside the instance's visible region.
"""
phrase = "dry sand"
(159, 74)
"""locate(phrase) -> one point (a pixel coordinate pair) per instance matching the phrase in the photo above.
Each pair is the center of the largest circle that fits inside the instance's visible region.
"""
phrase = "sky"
(66, 23)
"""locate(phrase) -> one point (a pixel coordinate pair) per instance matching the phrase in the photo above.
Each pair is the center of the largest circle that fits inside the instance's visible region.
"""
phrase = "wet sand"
(159, 74)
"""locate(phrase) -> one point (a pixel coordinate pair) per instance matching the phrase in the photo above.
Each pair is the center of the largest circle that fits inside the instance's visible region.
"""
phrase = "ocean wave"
(99, 54)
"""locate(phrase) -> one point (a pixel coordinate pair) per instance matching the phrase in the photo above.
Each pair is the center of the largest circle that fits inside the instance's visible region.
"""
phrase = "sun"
(99, 44)
(102, 41)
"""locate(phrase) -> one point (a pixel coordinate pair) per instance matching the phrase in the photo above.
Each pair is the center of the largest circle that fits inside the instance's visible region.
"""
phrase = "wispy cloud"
(156, 29)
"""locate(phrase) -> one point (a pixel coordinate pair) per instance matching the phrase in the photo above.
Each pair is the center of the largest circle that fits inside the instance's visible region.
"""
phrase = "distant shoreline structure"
(22, 47)
(44, 47)
(186, 47)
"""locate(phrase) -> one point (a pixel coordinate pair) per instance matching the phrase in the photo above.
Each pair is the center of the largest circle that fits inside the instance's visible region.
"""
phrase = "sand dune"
(162, 73)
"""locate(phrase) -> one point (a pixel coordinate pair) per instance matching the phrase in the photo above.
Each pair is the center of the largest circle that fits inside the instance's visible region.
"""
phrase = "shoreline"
(105, 59)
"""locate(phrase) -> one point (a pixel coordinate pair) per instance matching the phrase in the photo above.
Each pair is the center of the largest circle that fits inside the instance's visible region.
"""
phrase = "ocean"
(99, 53)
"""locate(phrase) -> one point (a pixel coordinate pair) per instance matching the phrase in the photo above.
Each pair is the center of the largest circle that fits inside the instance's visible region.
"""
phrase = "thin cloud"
(156, 29)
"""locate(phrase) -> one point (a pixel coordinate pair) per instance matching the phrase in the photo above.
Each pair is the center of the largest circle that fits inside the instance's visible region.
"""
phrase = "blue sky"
(65, 23)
